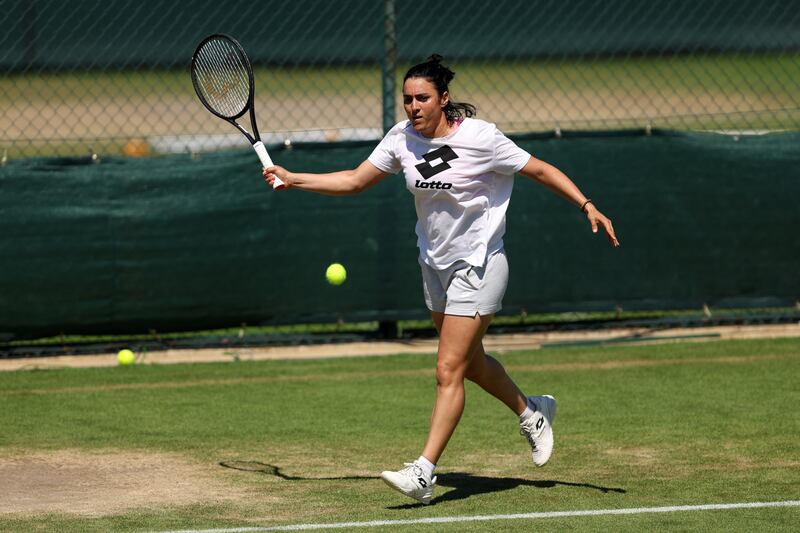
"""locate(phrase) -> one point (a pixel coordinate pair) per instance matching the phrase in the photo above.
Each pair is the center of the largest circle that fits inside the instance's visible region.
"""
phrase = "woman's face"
(424, 106)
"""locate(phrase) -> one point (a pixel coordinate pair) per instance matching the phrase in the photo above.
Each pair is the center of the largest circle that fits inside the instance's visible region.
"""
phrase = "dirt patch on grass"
(637, 456)
(106, 482)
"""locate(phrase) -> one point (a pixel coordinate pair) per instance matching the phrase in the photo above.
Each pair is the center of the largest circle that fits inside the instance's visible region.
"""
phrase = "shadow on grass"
(463, 484)
(272, 470)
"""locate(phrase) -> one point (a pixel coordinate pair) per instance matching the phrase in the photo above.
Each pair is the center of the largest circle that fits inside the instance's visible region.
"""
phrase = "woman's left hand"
(596, 219)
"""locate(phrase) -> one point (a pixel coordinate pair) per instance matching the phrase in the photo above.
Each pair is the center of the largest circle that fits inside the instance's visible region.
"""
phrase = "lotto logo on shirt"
(436, 161)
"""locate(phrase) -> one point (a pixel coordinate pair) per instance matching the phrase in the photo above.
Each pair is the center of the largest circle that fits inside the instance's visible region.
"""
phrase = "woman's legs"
(460, 356)
(487, 372)
(459, 338)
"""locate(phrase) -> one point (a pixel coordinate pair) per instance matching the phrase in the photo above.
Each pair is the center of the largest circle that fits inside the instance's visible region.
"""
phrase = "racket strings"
(222, 78)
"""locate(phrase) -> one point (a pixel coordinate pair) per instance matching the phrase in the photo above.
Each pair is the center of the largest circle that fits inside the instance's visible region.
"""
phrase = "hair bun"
(435, 58)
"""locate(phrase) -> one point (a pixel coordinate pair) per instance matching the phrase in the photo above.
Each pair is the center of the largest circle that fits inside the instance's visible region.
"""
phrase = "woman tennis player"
(460, 171)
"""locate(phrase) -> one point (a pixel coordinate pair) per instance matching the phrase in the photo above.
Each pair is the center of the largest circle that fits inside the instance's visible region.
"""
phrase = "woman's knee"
(450, 371)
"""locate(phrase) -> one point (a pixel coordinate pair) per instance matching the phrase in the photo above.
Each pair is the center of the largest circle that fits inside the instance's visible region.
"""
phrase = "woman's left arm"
(558, 182)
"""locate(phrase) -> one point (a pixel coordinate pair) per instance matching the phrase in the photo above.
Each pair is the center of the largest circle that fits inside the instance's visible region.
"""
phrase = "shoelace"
(528, 425)
(411, 468)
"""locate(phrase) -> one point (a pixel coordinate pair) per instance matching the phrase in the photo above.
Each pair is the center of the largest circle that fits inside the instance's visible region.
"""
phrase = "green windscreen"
(182, 243)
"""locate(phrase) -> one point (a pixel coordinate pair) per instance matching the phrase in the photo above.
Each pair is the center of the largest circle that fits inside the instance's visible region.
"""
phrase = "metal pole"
(389, 63)
(388, 329)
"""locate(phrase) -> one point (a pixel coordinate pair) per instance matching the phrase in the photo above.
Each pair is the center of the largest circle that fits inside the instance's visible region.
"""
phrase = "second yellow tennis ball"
(126, 357)
(336, 274)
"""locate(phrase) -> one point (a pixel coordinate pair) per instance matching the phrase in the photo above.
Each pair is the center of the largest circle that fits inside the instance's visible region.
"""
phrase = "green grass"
(672, 424)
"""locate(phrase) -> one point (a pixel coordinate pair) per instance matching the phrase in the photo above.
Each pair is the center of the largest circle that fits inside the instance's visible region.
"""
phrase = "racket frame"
(255, 137)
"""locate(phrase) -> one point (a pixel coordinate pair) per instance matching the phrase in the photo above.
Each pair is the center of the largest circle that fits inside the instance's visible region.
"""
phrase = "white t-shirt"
(461, 185)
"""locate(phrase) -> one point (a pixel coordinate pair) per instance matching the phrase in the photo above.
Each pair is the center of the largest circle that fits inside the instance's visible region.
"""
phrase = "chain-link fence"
(91, 76)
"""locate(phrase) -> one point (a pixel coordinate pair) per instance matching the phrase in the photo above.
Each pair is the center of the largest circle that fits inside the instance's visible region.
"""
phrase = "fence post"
(387, 329)
(389, 63)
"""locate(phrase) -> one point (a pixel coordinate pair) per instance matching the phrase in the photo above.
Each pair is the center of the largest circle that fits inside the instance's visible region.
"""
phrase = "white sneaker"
(411, 481)
(538, 428)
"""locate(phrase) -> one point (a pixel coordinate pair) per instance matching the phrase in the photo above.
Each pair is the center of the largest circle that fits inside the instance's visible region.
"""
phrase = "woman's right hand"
(270, 173)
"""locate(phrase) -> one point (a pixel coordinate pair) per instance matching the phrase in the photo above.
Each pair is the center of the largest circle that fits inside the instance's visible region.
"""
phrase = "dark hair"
(438, 74)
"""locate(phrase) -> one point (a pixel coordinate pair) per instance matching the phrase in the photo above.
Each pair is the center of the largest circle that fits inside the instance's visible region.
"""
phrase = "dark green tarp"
(93, 34)
(175, 242)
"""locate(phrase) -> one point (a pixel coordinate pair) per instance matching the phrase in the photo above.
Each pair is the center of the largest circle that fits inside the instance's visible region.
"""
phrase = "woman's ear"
(445, 99)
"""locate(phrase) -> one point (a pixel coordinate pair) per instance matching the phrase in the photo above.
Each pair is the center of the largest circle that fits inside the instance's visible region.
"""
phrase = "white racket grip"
(261, 150)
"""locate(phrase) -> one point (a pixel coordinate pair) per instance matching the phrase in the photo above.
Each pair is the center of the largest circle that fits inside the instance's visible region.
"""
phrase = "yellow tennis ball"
(336, 274)
(126, 357)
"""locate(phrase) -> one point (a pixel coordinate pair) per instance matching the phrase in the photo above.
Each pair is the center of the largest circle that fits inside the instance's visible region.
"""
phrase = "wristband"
(583, 207)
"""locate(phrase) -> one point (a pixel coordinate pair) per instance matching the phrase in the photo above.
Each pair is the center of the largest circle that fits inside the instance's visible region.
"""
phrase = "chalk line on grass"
(489, 518)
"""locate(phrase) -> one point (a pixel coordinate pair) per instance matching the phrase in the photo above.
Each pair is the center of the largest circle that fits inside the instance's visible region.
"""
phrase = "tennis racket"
(223, 80)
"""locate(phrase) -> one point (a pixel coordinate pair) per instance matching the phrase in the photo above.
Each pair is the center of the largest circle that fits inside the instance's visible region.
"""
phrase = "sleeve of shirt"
(384, 155)
(508, 157)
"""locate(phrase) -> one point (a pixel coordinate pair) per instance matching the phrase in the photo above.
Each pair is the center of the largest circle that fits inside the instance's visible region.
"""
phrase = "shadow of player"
(464, 484)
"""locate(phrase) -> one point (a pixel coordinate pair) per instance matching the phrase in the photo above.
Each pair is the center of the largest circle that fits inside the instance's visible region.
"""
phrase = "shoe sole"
(551, 409)
(549, 412)
(423, 500)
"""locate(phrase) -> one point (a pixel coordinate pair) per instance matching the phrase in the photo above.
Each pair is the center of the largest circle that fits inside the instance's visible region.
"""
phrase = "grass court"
(272, 443)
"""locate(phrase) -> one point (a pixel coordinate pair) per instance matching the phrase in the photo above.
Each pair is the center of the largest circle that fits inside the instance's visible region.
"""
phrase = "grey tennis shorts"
(464, 289)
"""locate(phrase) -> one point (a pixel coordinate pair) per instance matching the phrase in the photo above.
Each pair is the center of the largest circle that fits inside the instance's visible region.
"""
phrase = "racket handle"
(261, 150)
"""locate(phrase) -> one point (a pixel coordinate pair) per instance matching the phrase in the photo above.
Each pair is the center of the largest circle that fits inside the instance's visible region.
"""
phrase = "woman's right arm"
(334, 183)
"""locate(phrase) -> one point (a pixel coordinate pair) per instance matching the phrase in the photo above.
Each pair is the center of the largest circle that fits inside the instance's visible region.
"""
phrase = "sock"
(528, 412)
(426, 466)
